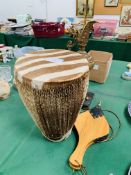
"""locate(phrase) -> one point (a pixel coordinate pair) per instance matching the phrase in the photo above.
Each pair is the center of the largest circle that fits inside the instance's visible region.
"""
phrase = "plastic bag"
(18, 52)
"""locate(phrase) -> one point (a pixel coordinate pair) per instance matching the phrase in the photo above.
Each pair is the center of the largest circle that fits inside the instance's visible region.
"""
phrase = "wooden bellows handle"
(89, 129)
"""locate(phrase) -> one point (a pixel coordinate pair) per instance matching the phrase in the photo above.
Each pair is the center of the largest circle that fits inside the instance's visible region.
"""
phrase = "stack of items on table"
(21, 30)
(129, 37)
(23, 25)
(105, 29)
(122, 37)
(124, 34)
(5, 27)
(5, 53)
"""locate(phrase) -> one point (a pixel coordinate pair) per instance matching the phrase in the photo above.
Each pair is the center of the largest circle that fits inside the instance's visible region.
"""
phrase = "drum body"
(52, 96)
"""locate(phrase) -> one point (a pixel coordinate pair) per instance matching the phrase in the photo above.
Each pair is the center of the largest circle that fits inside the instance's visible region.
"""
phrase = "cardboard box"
(101, 68)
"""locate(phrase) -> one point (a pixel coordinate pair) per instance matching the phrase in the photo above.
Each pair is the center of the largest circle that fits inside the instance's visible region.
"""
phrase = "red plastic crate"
(48, 29)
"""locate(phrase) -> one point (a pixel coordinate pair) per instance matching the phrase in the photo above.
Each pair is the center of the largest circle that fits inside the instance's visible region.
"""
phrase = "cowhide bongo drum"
(53, 84)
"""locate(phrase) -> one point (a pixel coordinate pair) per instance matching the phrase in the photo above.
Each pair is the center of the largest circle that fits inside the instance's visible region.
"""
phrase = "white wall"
(60, 8)
(11, 8)
(49, 9)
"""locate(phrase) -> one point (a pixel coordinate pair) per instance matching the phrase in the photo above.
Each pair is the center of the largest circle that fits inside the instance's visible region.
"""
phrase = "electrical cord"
(114, 134)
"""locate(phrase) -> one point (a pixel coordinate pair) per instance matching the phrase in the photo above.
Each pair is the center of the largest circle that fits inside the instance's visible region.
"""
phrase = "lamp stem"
(85, 14)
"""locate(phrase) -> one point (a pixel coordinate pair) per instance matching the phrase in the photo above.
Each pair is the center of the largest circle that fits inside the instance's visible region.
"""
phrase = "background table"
(23, 149)
(121, 50)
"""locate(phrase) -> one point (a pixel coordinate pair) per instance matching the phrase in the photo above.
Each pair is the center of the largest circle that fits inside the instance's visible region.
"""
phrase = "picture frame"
(125, 16)
(81, 6)
(111, 3)
(67, 20)
(125, 1)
